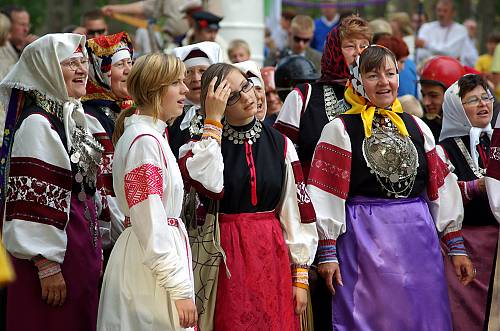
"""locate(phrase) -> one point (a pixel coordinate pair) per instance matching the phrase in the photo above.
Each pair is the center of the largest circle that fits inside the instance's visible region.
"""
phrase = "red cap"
(442, 70)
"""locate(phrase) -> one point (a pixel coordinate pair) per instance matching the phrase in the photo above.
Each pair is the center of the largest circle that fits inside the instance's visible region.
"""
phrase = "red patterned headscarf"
(103, 52)
(334, 68)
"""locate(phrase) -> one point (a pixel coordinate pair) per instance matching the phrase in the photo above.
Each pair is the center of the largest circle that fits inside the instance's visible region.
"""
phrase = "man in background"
(323, 25)
(299, 40)
(442, 37)
(94, 23)
(19, 28)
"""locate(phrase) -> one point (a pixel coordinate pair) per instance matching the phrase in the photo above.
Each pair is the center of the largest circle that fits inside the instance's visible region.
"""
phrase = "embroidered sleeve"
(288, 121)
(443, 193)
(142, 182)
(202, 166)
(39, 192)
(297, 219)
(328, 185)
(160, 241)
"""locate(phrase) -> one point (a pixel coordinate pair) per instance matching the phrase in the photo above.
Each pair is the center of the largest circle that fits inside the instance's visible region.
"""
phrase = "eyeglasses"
(298, 39)
(95, 33)
(75, 64)
(235, 96)
(475, 101)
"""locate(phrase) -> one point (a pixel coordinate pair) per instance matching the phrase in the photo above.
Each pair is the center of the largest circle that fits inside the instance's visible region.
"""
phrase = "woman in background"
(466, 139)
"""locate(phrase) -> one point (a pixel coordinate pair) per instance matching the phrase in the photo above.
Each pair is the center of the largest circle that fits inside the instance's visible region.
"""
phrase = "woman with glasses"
(267, 228)
(49, 167)
(381, 195)
(107, 96)
(465, 138)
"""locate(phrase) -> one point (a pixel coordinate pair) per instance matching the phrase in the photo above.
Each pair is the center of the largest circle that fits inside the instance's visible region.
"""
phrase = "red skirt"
(258, 296)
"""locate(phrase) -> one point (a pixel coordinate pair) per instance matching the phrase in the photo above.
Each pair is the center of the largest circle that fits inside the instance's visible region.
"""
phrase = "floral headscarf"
(360, 103)
(334, 68)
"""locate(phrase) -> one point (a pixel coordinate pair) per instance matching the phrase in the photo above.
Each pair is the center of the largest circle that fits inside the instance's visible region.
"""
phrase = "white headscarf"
(214, 55)
(457, 124)
(39, 69)
(210, 48)
(252, 68)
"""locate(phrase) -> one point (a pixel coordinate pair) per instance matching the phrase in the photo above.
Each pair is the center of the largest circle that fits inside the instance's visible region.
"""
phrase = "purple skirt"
(391, 267)
(81, 269)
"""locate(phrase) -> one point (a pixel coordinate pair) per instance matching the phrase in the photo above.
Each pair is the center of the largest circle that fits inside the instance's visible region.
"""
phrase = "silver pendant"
(82, 196)
(79, 178)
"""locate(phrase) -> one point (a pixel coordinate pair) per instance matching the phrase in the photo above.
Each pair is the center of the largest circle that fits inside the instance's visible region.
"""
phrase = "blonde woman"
(148, 284)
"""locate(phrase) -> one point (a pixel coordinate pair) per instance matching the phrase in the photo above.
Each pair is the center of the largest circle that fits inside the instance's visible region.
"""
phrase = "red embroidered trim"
(331, 170)
(170, 221)
(288, 130)
(105, 141)
(36, 168)
(38, 192)
(253, 172)
(142, 182)
(173, 222)
(307, 213)
(188, 181)
(438, 170)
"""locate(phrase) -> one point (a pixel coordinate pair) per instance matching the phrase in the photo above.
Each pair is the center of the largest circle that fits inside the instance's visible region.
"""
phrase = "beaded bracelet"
(300, 277)
(327, 251)
(46, 268)
(214, 123)
(212, 129)
(455, 243)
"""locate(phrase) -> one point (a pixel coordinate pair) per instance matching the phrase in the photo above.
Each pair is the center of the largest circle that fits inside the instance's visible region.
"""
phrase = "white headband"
(256, 81)
(197, 61)
(120, 55)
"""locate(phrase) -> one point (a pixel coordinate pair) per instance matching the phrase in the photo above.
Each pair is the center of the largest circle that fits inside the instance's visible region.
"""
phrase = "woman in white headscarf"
(48, 174)
(465, 138)
(197, 58)
(251, 70)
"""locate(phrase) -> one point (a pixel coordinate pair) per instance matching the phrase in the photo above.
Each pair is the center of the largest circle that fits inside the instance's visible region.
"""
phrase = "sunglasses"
(298, 39)
(95, 32)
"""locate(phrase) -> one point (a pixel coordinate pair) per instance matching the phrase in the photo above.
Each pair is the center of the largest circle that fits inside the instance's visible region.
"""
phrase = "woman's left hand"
(300, 299)
(464, 269)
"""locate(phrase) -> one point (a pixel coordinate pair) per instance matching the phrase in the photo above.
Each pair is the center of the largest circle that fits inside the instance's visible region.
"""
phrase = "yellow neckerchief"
(359, 105)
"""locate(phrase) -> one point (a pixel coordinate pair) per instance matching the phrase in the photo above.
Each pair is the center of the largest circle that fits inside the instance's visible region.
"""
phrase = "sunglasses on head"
(298, 39)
